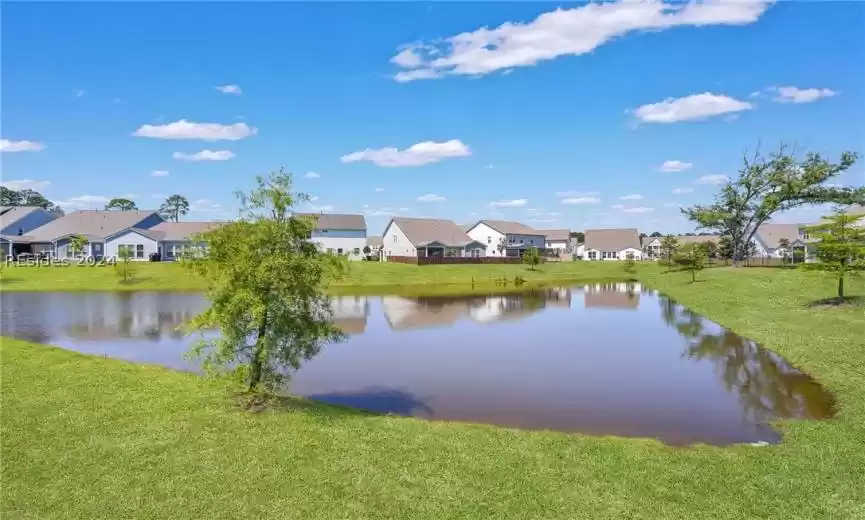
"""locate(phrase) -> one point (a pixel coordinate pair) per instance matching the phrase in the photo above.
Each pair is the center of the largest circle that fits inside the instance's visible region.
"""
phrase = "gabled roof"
(770, 235)
(423, 231)
(92, 223)
(182, 231)
(12, 214)
(375, 241)
(612, 239)
(336, 221)
(507, 227)
(556, 234)
(697, 239)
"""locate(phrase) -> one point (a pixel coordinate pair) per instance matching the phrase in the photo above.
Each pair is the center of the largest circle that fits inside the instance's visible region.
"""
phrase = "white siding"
(557, 244)
(488, 236)
(132, 238)
(622, 255)
(348, 245)
(395, 243)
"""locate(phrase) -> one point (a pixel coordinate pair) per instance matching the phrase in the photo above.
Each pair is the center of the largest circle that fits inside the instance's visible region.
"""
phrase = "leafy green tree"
(784, 248)
(691, 257)
(266, 283)
(725, 248)
(77, 244)
(630, 265)
(121, 204)
(655, 234)
(711, 248)
(125, 267)
(502, 245)
(578, 235)
(669, 246)
(840, 246)
(174, 207)
(532, 257)
(10, 197)
(767, 185)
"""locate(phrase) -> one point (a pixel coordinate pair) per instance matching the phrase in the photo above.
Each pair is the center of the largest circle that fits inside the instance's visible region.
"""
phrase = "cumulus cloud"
(638, 210)
(229, 89)
(25, 184)
(712, 179)
(184, 129)
(675, 166)
(159, 173)
(800, 95)
(689, 108)
(563, 32)
(430, 197)
(631, 197)
(680, 191)
(425, 152)
(20, 146)
(311, 175)
(672, 205)
(204, 155)
(515, 203)
(581, 200)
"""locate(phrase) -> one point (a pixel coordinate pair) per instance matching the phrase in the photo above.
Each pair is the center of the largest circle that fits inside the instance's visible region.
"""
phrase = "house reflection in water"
(621, 295)
(411, 313)
(350, 313)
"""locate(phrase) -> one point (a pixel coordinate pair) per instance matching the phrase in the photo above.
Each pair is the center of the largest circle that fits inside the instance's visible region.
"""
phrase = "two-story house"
(505, 238)
(339, 234)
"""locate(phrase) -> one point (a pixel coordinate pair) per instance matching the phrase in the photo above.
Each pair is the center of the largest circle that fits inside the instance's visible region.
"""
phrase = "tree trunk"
(256, 364)
(841, 287)
(693, 276)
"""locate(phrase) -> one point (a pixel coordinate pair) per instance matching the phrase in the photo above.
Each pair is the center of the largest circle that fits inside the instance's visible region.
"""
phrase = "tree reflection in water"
(768, 387)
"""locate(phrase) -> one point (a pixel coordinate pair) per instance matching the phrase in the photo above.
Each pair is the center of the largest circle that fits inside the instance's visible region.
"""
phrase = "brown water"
(606, 359)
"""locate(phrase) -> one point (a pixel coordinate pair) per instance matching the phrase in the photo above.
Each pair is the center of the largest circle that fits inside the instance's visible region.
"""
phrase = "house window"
(357, 250)
(593, 255)
(489, 240)
(394, 238)
(532, 241)
(339, 251)
(476, 253)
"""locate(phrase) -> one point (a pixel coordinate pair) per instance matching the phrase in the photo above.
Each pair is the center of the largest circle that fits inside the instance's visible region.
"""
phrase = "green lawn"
(86, 437)
(366, 277)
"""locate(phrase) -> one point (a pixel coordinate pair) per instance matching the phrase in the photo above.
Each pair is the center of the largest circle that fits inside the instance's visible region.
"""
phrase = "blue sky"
(547, 117)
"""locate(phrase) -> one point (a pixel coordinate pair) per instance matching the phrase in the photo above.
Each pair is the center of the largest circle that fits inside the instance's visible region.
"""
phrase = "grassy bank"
(87, 437)
(366, 277)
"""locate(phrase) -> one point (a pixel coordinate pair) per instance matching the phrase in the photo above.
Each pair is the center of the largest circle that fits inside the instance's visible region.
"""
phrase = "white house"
(769, 236)
(652, 245)
(428, 237)
(504, 238)
(612, 244)
(339, 234)
(557, 239)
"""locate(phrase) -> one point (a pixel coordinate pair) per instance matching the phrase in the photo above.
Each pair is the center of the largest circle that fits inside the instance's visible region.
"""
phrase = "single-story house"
(339, 234)
(558, 239)
(612, 244)
(17, 221)
(768, 239)
(505, 238)
(428, 237)
(652, 245)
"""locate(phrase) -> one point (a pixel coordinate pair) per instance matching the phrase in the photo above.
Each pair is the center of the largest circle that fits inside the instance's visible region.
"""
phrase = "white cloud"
(679, 191)
(385, 212)
(581, 200)
(631, 197)
(515, 203)
(712, 179)
(26, 184)
(430, 197)
(577, 194)
(563, 32)
(618, 206)
(675, 166)
(689, 108)
(184, 129)
(638, 210)
(672, 205)
(229, 89)
(800, 95)
(313, 198)
(311, 175)
(379, 190)
(425, 152)
(83, 202)
(204, 155)
(159, 173)
(79, 92)
(20, 146)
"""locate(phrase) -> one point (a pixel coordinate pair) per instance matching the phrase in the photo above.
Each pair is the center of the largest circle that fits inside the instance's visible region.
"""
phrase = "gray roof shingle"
(337, 221)
(11, 214)
(612, 239)
(556, 234)
(181, 231)
(771, 234)
(94, 224)
(422, 231)
(507, 227)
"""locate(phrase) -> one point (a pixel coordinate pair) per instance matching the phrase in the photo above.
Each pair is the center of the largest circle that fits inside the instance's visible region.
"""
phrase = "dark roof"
(94, 224)
(612, 239)
(336, 221)
(423, 231)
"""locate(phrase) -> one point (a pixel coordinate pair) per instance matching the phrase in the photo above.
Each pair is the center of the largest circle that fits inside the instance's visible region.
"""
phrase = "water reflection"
(564, 359)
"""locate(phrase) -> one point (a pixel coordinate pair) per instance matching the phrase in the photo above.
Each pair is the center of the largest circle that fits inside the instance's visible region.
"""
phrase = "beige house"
(612, 244)
(428, 237)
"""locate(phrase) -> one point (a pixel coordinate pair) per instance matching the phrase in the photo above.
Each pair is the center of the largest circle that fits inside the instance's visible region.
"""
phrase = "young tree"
(691, 257)
(77, 244)
(502, 245)
(711, 248)
(630, 265)
(174, 207)
(125, 268)
(532, 257)
(725, 248)
(266, 283)
(121, 204)
(669, 246)
(840, 246)
(784, 248)
(767, 185)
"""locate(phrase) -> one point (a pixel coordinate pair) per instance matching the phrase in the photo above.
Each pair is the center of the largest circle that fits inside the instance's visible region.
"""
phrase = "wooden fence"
(452, 260)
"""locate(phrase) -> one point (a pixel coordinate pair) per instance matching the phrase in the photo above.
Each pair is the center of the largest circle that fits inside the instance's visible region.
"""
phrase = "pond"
(609, 359)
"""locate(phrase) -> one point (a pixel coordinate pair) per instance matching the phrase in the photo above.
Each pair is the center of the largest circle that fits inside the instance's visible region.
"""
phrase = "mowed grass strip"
(86, 437)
